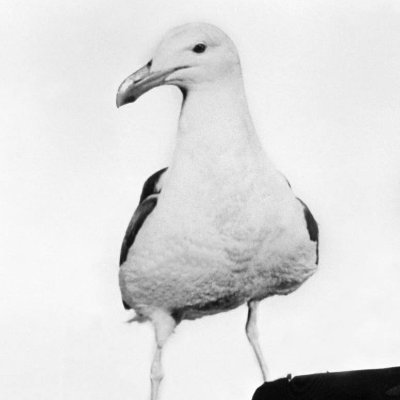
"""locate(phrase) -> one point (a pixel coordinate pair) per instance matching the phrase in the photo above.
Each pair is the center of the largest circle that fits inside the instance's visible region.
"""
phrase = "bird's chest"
(213, 229)
(219, 249)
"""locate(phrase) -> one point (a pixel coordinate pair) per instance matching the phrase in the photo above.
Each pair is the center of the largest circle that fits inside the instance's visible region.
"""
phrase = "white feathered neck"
(218, 155)
(215, 131)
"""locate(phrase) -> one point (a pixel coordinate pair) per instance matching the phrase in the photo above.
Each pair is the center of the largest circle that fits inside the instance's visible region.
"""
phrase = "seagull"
(221, 226)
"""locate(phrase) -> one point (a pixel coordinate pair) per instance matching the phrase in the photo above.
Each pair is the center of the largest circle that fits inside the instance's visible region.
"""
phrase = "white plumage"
(221, 226)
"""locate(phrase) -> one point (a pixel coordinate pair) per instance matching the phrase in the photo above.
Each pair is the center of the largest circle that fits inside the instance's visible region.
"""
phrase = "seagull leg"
(164, 325)
(252, 335)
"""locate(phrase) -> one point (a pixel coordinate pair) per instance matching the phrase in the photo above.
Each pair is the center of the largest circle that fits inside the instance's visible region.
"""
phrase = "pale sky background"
(323, 83)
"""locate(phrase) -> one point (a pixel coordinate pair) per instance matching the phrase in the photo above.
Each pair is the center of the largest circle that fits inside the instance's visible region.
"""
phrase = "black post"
(373, 384)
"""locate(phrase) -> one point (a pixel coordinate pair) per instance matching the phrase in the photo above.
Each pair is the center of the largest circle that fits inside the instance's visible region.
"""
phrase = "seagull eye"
(199, 48)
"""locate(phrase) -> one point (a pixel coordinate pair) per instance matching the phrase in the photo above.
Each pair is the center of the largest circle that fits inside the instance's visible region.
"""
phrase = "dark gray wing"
(142, 212)
(152, 185)
(147, 203)
(312, 226)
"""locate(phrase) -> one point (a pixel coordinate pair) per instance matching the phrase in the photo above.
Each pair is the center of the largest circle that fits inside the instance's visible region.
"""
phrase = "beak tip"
(123, 99)
(134, 86)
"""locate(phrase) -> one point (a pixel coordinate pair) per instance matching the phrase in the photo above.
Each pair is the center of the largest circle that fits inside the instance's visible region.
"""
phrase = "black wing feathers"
(147, 203)
(141, 213)
(146, 206)
(136, 223)
(312, 226)
(150, 186)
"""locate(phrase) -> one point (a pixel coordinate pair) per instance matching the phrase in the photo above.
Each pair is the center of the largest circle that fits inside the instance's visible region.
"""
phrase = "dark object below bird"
(373, 384)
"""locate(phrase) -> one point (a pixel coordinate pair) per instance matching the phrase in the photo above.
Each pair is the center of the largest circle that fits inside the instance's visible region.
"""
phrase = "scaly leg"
(164, 325)
(252, 335)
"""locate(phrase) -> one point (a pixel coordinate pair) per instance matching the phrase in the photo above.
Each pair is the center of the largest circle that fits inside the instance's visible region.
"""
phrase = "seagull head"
(191, 57)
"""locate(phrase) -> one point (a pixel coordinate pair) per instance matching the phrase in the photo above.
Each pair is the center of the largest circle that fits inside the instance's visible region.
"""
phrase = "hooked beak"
(140, 82)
